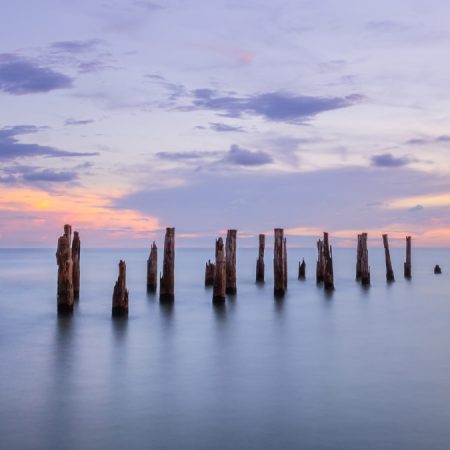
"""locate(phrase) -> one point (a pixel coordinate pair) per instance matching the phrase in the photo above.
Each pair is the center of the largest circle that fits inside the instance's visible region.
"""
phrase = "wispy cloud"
(19, 76)
(224, 128)
(443, 139)
(389, 160)
(71, 122)
(241, 157)
(11, 148)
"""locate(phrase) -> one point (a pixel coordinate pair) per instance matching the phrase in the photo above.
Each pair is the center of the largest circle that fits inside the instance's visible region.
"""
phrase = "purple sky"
(125, 117)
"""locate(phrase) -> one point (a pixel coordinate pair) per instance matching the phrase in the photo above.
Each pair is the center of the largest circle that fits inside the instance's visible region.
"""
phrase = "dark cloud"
(416, 208)
(11, 148)
(240, 157)
(428, 140)
(276, 106)
(76, 46)
(389, 160)
(70, 122)
(224, 128)
(22, 174)
(20, 76)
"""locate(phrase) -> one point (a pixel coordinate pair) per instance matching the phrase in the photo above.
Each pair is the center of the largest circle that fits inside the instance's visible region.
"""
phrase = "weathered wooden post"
(65, 273)
(364, 264)
(210, 273)
(120, 293)
(152, 269)
(389, 272)
(260, 260)
(319, 265)
(407, 265)
(437, 269)
(167, 280)
(220, 275)
(76, 253)
(279, 264)
(358, 258)
(231, 262)
(302, 270)
(285, 270)
(328, 275)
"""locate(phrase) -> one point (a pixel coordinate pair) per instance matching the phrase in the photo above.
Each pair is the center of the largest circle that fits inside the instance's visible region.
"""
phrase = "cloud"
(19, 76)
(11, 148)
(224, 128)
(23, 174)
(76, 46)
(148, 6)
(389, 160)
(276, 106)
(240, 157)
(416, 208)
(428, 140)
(70, 122)
(185, 156)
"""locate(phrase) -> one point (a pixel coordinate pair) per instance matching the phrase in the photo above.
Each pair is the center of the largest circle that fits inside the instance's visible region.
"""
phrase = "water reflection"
(120, 327)
(220, 311)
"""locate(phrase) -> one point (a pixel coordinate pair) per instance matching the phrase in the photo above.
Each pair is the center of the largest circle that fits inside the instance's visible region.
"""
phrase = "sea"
(358, 368)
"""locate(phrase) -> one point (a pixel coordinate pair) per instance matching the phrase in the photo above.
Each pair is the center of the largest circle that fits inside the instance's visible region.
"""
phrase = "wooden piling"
(152, 269)
(359, 258)
(210, 273)
(302, 270)
(230, 250)
(364, 261)
(120, 293)
(167, 280)
(407, 265)
(220, 275)
(389, 272)
(279, 263)
(65, 272)
(285, 270)
(327, 263)
(260, 260)
(319, 265)
(76, 253)
(437, 270)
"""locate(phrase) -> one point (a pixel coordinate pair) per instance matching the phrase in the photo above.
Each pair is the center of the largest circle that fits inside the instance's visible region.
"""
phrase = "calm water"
(359, 369)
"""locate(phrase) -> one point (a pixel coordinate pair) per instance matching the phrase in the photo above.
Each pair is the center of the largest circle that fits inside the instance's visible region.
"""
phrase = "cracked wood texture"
(152, 269)
(167, 280)
(65, 273)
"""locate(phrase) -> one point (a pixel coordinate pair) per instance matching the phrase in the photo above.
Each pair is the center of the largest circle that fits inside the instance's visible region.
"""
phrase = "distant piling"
(76, 253)
(260, 260)
(65, 272)
(407, 265)
(152, 269)
(120, 293)
(220, 273)
(231, 262)
(279, 263)
(302, 270)
(328, 272)
(437, 270)
(167, 280)
(389, 272)
(210, 273)
(362, 263)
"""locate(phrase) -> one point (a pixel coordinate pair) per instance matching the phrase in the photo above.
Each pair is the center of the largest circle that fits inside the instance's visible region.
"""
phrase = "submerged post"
(152, 269)
(302, 270)
(167, 280)
(260, 260)
(407, 265)
(210, 272)
(120, 293)
(328, 275)
(231, 262)
(65, 273)
(279, 263)
(389, 272)
(76, 251)
(220, 275)
(364, 262)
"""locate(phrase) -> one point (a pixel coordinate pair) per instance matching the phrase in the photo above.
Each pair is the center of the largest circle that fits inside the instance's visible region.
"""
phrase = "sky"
(124, 117)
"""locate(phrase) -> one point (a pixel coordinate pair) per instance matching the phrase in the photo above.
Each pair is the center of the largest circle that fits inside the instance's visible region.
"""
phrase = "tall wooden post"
(220, 275)
(210, 273)
(167, 280)
(302, 270)
(364, 263)
(358, 258)
(279, 264)
(327, 264)
(152, 269)
(260, 260)
(389, 272)
(231, 262)
(407, 265)
(76, 253)
(65, 273)
(120, 293)
(285, 270)
(319, 265)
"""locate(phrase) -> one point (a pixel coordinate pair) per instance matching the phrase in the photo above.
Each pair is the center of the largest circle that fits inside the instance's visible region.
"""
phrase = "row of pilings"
(221, 274)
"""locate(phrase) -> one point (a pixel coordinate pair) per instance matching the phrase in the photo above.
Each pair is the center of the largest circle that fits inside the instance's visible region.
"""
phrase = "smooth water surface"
(357, 369)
